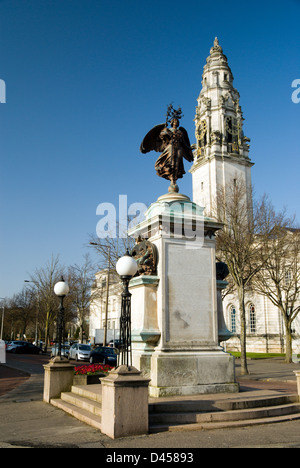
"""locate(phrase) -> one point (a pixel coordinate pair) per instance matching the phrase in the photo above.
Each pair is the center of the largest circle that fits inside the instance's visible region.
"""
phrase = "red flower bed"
(92, 369)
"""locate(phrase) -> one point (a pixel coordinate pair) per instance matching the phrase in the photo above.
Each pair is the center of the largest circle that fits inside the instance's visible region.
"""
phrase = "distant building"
(98, 307)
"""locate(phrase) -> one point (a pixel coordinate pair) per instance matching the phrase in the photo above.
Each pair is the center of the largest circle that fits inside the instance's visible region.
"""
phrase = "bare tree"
(44, 280)
(109, 250)
(81, 279)
(22, 310)
(238, 243)
(279, 280)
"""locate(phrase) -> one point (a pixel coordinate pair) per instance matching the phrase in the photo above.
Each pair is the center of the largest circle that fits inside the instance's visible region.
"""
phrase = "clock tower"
(222, 150)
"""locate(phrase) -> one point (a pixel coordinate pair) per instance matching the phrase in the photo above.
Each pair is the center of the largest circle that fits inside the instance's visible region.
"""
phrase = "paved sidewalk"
(26, 421)
(10, 379)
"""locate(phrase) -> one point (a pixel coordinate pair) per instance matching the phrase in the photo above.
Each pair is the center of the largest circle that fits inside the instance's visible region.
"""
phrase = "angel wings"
(174, 144)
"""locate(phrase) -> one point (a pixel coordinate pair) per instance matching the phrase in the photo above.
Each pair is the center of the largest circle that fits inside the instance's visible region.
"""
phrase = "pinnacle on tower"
(216, 47)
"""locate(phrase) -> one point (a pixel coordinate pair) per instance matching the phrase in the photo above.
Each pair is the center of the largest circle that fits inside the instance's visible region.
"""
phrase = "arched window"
(252, 315)
(233, 319)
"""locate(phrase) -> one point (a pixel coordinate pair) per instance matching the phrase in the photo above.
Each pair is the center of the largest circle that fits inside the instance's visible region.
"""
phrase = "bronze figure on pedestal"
(173, 143)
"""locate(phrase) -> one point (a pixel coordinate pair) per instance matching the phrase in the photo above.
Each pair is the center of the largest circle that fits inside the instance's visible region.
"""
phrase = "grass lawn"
(258, 355)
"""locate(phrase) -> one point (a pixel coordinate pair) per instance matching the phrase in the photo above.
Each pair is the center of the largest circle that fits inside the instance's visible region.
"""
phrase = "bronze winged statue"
(173, 143)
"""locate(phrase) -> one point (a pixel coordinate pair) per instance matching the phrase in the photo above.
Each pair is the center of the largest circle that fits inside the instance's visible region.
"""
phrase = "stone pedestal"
(124, 403)
(186, 359)
(2, 352)
(58, 378)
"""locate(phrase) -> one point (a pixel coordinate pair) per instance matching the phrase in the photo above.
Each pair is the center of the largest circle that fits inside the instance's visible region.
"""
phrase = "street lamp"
(126, 267)
(61, 289)
(2, 321)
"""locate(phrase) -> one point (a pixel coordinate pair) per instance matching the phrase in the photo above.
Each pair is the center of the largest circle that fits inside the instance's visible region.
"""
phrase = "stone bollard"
(58, 378)
(124, 403)
(297, 373)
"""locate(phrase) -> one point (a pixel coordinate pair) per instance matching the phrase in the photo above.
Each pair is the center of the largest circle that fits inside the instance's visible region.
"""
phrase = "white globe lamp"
(61, 288)
(126, 266)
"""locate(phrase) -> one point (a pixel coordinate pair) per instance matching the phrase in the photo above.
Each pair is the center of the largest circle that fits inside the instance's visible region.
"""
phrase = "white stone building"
(221, 157)
(98, 307)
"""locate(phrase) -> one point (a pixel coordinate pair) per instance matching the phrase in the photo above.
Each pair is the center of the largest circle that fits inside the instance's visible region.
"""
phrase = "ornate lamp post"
(126, 268)
(61, 289)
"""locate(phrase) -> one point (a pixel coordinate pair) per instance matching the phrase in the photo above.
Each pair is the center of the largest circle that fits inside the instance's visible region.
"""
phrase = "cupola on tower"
(222, 149)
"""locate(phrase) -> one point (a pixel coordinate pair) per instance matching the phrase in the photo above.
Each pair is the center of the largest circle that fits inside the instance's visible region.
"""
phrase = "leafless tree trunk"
(238, 244)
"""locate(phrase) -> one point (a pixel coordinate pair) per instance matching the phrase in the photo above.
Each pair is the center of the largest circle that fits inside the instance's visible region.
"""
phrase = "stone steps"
(205, 415)
(155, 428)
(92, 406)
(84, 403)
(190, 418)
(92, 392)
(205, 405)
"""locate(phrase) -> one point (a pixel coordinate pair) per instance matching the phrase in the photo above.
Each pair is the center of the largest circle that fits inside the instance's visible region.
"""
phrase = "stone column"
(124, 403)
(59, 374)
(145, 332)
(297, 373)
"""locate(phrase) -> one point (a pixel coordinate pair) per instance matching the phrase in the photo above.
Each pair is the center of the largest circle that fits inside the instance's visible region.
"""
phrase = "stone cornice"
(237, 159)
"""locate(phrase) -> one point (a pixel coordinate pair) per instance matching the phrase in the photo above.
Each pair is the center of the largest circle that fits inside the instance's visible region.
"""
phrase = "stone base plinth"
(192, 373)
(124, 403)
(58, 378)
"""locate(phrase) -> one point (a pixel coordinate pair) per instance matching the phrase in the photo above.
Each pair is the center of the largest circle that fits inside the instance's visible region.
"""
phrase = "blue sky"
(86, 79)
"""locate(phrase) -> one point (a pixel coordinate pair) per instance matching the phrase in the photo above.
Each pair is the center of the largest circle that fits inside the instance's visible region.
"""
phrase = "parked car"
(65, 351)
(104, 355)
(11, 345)
(25, 348)
(80, 352)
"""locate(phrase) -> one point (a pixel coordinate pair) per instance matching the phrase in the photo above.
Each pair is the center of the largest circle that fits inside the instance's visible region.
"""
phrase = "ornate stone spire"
(222, 149)
(219, 118)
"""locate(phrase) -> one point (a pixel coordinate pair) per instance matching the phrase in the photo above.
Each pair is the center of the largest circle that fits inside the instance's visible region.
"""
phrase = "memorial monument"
(175, 338)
